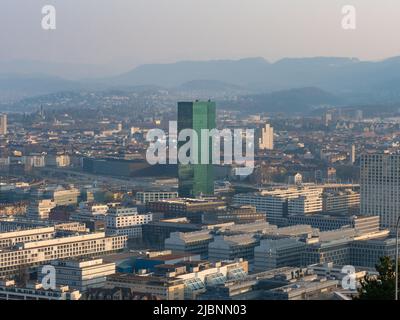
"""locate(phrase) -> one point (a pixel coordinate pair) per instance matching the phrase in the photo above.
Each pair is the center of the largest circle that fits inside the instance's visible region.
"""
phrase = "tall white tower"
(353, 154)
(380, 187)
(266, 139)
(3, 124)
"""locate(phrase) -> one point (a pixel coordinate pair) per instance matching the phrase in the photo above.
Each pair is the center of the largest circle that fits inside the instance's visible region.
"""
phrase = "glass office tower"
(196, 179)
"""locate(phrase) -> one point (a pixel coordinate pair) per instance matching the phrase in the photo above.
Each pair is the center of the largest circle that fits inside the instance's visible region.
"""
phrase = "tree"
(381, 286)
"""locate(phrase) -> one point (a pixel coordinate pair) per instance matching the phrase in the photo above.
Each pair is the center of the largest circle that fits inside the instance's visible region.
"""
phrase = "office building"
(326, 222)
(144, 197)
(272, 254)
(303, 290)
(278, 203)
(367, 252)
(11, 238)
(30, 254)
(40, 210)
(63, 197)
(202, 276)
(260, 227)
(193, 209)
(341, 201)
(82, 274)
(155, 232)
(380, 187)
(160, 287)
(35, 291)
(90, 211)
(126, 221)
(190, 242)
(234, 213)
(232, 247)
(196, 179)
(347, 246)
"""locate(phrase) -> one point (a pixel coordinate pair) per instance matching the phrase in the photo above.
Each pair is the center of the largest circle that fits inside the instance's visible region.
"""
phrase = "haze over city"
(207, 157)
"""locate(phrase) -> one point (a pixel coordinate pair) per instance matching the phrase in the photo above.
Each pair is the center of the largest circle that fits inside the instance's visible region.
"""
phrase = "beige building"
(30, 254)
(8, 239)
(266, 139)
(35, 291)
(3, 124)
(40, 210)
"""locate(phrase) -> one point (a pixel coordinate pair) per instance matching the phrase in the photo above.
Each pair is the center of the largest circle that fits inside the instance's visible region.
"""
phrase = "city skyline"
(217, 179)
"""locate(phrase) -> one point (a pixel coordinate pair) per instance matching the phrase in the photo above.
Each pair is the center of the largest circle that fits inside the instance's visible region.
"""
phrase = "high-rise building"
(353, 154)
(380, 187)
(3, 124)
(196, 179)
(266, 138)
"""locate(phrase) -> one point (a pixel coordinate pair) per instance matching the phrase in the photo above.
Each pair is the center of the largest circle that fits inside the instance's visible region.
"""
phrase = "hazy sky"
(125, 33)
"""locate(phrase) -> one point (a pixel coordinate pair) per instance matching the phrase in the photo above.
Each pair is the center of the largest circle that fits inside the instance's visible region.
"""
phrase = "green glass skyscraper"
(196, 179)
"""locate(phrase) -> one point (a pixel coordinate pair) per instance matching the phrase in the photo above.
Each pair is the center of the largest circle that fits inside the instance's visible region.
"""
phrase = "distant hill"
(238, 72)
(344, 76)
(17, 86)
(294, 101)
(350, 80)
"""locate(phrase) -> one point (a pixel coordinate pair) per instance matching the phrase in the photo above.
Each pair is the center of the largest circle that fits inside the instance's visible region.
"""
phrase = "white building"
(380, 187)
(29, 254)
(87, 210)
(126, 221)
(35, 291)
(308, 203)
(280, 202)
(147, 196)
(3, 124)
(82, 274)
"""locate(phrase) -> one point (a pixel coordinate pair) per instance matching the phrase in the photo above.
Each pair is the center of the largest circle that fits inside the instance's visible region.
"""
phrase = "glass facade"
(196, 179)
